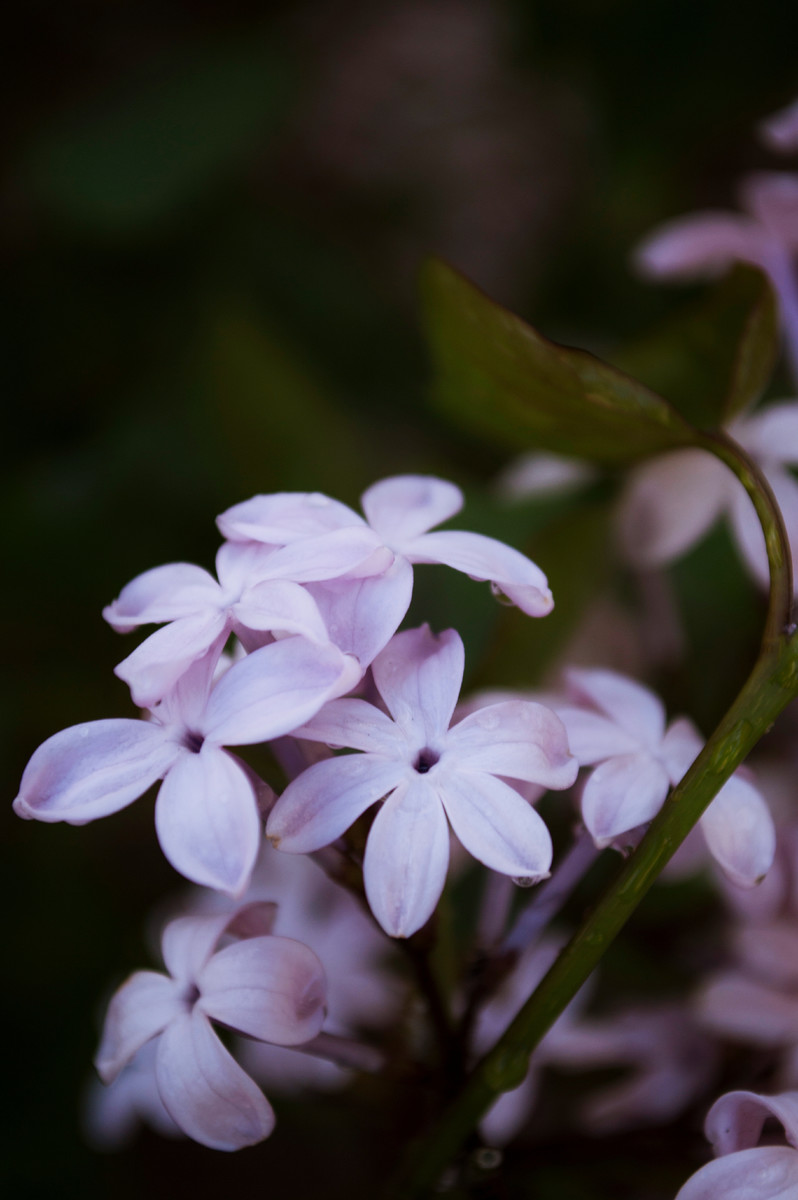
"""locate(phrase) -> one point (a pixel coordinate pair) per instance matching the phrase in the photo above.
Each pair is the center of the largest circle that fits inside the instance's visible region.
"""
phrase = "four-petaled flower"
(426, 772)
(269, 988)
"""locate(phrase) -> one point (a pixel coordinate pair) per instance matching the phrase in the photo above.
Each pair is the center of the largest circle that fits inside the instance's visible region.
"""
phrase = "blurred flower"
(780, 131)
(619, 724)
(427, 772)
(267, 987)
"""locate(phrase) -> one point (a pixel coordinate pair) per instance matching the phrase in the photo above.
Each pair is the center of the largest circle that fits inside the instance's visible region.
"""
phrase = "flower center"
(193, 741)
(426, 760)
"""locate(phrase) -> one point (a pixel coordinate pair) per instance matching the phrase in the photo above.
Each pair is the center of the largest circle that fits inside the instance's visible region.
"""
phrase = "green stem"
(771, 685)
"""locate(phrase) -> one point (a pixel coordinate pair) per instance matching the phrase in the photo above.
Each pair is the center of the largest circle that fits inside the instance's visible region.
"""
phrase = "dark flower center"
(193, 741)
(426, 761)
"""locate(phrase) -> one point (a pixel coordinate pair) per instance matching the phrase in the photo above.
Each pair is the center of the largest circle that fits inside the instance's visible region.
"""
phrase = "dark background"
(211, 221)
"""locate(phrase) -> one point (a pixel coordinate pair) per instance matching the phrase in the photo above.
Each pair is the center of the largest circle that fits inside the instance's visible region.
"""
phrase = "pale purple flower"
(266, 987)
(206, 814)
(620, 725)
(743, 1170)
(112, 1112)
(259, 593)
(361, 617)
(671, 501)
(706, 243)
(427, 773)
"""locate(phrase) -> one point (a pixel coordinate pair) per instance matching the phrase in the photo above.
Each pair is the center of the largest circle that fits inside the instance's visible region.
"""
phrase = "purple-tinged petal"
(480, 557)
(155, 666)
(735, 1121)
(323, 801)
(765, 1173)
(739, 1008)
(162, 594)
(183, 708)
(699, 245)
(621, 794)
(670, 503)
(271, 988)
(188, 942)
(356, 724)
(274, 690)
(495, 824)
(285, 517)
(419, 675)
(240, 565)
(592, 737)
(141, 1009)
(362, 615)
(739, 832)
(92, 770)
(205, 1091)
(207, 820)
(405, 506)
(772, 197)
(356, 551)
(680, 747)
(282, 606)
(770, 953)
(407, 854)
(634, 707)
(771, 435)
(780, 131)
(519, 739)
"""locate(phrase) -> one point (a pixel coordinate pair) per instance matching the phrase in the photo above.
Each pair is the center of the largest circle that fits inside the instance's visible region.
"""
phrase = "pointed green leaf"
(498, 377)
(716, 357)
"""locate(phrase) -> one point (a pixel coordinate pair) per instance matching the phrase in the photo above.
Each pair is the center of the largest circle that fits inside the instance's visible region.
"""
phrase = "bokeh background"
(212, 219)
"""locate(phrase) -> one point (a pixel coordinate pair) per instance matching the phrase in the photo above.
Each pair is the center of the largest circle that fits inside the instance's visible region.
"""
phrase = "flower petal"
(766, 1173)
(274, 690)
(770, 953)
(517, 738)
(699, 245)
(495, 824)
(207, 820)
(480, 557)
(188, 942)
(357, 549)
(670, 503)
(92, 770)
(680, 747)
(772, 197)
(141, 1009)
(323, 801)
(418, 675)
(740, 1009)
(407, 854)
(621, 794)
(735, 1121)
(362, 615)
(634, 707)
(739, 832)
(279, 605)
(404, 506)
(271, 988)
(284, 517)
(205, 1091)
(162, 594)
(157, 664)
(592, 737)
(356, 724)
(780, 131)
(770, 435)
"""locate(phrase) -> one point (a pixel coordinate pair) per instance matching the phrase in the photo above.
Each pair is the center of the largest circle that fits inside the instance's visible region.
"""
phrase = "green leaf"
(716, 356)
(499, 378)
(135, 154)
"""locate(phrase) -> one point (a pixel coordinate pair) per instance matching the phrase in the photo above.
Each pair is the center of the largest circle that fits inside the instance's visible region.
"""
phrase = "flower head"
(427, 772)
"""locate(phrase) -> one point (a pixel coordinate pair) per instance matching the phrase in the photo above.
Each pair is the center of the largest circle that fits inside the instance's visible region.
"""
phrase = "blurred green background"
(212, 222)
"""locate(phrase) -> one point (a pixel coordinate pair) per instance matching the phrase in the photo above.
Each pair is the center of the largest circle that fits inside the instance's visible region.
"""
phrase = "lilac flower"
(206, 813)
(258, 593)
(743, 1170)
(426, 772)
(113, 1112)
(672, 501)
(401, 511)
(706, 243)
(266, 987)
(620, 725)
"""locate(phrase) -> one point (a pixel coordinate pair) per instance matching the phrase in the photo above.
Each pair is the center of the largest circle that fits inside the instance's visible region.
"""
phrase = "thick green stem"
(771, 685)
